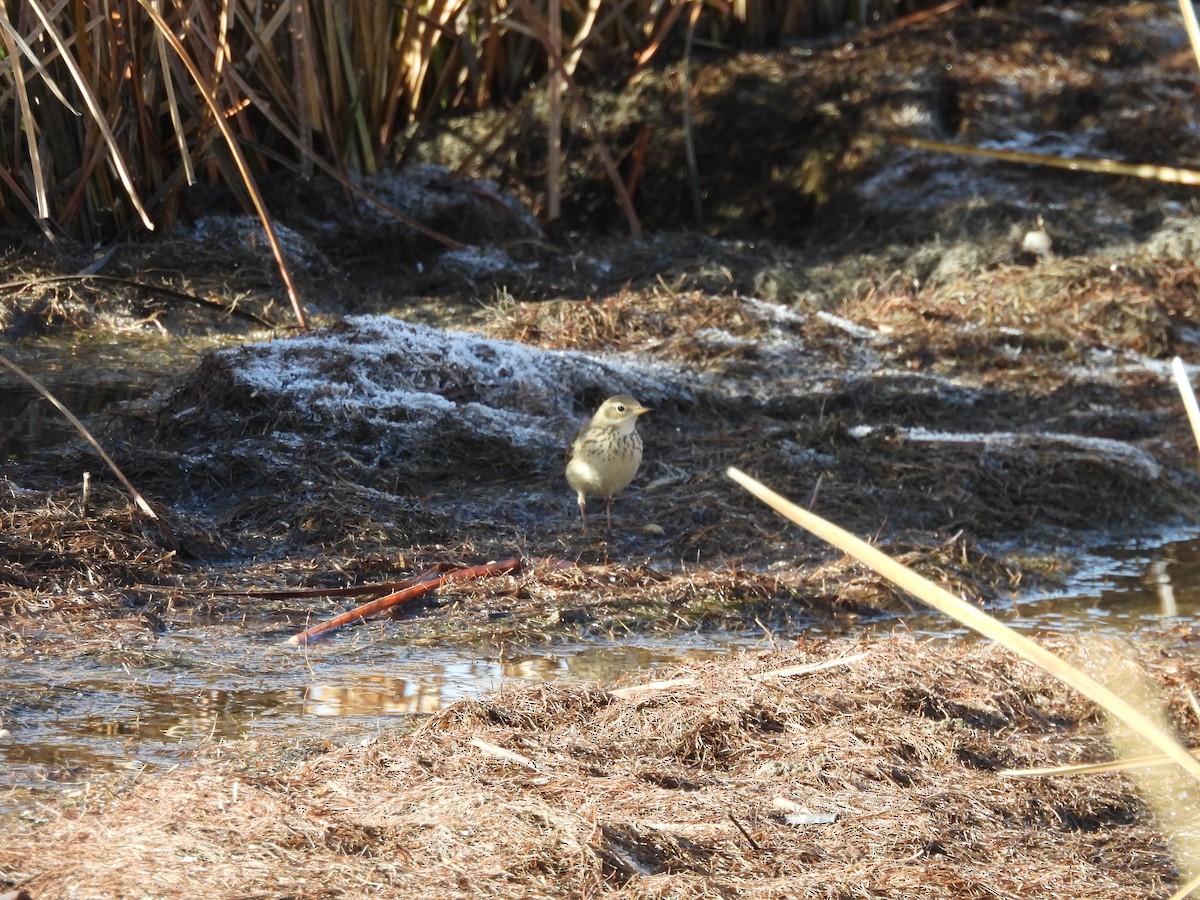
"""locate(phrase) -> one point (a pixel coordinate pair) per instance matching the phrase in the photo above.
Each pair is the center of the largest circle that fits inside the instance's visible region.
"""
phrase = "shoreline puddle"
(68, 722)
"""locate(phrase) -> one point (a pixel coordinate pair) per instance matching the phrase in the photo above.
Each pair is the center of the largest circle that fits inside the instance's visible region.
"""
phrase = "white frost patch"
(421, 380)
(911, 115)
(719, 339)
(428, 191)
(475, 262)
(246, 232)
(1106, 448)
(1106, 366)
(851, 328)
(1081, 143)
(777, 313)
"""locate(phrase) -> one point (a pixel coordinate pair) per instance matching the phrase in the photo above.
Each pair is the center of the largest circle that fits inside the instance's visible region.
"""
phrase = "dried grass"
(1064, 306)
(450, 497)
(686, 327)
(663, 794)
(50, 545)
(67, 579)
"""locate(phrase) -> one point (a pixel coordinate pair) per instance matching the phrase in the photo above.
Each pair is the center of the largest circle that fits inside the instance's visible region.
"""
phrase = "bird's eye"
(620, 407)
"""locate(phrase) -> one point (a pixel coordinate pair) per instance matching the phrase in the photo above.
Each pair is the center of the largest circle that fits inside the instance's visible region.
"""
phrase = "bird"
(605, 453)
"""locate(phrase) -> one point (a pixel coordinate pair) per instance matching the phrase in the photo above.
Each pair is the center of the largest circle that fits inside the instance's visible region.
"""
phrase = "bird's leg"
(583, 511)
(608, 511)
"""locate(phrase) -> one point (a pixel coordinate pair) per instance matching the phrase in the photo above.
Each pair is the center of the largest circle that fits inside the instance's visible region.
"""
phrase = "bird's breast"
(604, 466)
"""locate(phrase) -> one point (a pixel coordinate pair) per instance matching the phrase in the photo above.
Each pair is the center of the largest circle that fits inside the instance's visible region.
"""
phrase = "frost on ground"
(1114, 452)
(431, 193)
(243, 234)
(421, 381)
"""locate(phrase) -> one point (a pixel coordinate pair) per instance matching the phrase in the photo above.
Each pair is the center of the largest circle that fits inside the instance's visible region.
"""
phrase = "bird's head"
(619, 412)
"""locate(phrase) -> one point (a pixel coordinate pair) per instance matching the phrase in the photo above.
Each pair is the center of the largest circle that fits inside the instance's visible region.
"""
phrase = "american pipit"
(605, 453)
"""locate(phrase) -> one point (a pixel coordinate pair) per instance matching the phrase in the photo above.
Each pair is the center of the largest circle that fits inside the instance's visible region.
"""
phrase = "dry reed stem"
(98, 115)
(134, 493)
(540, 27)
(1188, 395)
(1167, 791)
(1165, 174)
(346, 79)
(1191, 26)
(209, 95)
(973, 617)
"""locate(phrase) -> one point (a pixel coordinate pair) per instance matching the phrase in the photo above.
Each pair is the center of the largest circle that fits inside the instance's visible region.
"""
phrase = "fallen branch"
(634, 689)
(430, 581)
(810, 667)
(351, 591)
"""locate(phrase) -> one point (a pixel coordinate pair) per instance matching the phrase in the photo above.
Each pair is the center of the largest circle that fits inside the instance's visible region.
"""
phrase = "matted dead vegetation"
(940, 464)
(809, 159)
(1008, 317)
(660, 323)
(876, 347)
(78, 584)
(877, 778)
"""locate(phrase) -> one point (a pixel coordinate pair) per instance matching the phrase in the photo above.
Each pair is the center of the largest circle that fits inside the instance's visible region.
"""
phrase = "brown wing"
(574, 440)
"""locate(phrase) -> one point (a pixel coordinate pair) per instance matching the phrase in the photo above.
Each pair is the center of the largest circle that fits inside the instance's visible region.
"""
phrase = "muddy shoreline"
(860, 325)
(877, 774)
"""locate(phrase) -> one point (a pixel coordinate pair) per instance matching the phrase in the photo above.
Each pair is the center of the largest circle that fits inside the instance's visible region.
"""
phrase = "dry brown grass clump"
(1062, 307)
(50, 543)
(665, 324)
(698, 789)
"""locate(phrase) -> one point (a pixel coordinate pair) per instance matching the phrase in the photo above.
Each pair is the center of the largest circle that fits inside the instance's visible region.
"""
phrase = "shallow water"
(68, 722)
(86, 377)
(1122, 591)
(63, 721)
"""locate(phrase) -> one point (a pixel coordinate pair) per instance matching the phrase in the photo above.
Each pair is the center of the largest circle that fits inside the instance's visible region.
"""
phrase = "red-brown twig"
(353, 590)
(430, 581)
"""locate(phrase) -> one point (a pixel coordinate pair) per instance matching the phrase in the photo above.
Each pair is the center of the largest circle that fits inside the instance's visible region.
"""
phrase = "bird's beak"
(642, 410)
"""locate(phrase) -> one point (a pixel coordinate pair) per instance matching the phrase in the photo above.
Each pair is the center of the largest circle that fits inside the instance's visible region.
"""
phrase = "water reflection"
(61, 723)
(1121, 592)
(1160, 577)
(59, 726)
(428, 691)
(379, 695)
